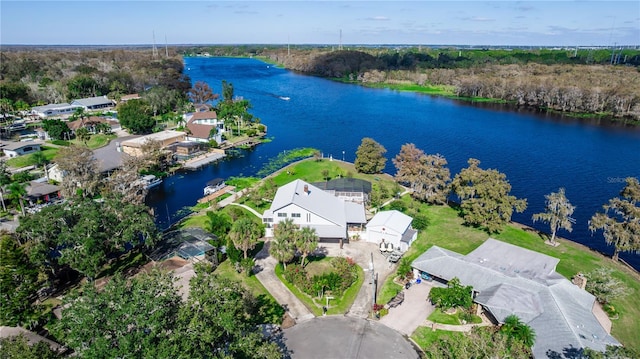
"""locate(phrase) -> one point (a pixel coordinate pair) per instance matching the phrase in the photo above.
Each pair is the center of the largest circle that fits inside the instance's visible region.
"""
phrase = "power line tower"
(154, 49)
(340, 44)
(166, 47)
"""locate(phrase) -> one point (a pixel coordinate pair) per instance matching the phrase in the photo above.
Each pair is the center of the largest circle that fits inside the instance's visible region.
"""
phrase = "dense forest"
(33, 76)
(582, 82)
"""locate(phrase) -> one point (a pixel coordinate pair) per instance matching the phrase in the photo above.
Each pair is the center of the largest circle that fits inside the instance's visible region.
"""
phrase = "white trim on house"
(391, 228)
(309, 206)
(59, 109)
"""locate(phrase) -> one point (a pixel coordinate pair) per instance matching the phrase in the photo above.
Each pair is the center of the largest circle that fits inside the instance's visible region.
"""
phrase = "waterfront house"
(309, 206)
(14, 149)
(391, 230)
(508, 280)
(94, 103)
(90, 124)
(204, 126)
(166, 138)
(51, 110)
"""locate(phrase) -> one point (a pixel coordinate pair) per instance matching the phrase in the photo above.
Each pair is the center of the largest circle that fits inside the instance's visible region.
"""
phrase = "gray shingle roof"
(514, 280)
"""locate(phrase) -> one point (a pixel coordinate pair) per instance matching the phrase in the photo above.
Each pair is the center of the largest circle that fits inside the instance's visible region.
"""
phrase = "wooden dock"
(211, 197)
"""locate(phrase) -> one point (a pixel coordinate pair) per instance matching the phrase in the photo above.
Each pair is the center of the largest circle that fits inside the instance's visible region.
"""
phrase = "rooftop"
(513, 280)
(159, 136)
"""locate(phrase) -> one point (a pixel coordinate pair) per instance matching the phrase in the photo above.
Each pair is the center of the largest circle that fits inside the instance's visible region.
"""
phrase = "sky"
(418, 22)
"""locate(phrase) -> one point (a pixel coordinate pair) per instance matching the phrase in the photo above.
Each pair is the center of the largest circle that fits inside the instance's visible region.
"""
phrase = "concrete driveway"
(338, 337)
(413, 311)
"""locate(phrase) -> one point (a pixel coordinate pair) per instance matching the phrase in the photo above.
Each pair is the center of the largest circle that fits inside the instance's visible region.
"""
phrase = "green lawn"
(424, 336)
(27, 160)
(443, 318)
(96, 141)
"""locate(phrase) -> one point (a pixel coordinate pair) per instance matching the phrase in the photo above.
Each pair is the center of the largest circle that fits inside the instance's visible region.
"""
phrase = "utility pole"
(373, 283)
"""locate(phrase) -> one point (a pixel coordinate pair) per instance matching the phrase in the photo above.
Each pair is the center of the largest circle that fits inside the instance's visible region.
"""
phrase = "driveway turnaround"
(413, 311)
(338, 337)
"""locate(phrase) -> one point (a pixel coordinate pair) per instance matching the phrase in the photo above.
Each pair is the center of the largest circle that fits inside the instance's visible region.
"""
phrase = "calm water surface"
(538, 153)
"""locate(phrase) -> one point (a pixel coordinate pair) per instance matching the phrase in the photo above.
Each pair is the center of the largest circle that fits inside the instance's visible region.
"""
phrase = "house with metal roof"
(349, 189)
(14, 149)
(56, 109)
(508, 279)
(391, 230)
(94, 103)
(309, 206)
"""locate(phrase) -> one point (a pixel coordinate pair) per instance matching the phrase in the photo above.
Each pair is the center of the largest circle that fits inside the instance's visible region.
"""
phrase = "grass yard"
(95, 141)
(424, 336)
(28, 160)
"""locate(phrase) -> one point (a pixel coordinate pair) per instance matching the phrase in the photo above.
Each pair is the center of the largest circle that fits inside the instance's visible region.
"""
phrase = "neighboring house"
(391, 230)
(166, 138)
(348, 189)
(59, 109)
(508, 279)
(42, 192)
(15, 149)
(133, 96)
(309, 206)
(31, 337)
(201, 124)
(90, 123)
(93, 103)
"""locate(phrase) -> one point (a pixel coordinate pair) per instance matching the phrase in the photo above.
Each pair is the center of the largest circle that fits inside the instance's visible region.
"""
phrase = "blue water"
(538, 153)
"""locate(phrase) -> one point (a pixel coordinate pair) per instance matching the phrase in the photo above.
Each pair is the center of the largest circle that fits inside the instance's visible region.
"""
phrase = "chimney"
(306, 189)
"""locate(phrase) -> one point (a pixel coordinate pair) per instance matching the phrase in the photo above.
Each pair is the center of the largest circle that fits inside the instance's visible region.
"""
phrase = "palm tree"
(41, 160)
(282, 245)
(17, 191)
(245, 234)
(514, 328)
(83, 134)
(307, 242)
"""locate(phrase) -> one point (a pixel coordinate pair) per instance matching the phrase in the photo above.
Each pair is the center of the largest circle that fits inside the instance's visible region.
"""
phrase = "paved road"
(338, 337)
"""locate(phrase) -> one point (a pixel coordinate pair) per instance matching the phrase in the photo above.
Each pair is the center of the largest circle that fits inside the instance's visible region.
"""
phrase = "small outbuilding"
(391, 230)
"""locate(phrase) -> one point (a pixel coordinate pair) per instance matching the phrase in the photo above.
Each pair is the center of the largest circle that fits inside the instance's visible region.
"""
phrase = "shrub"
(455, 295)
(398, 205)
(420, 221)
(605, 287)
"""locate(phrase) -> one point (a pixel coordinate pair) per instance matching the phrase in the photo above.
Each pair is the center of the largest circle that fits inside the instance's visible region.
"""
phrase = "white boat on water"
(214, 186)
(151, 181)
(285, 98)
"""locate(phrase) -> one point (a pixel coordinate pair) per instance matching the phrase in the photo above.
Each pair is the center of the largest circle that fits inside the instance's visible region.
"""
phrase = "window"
(282, 215)
(308, 217)
(295, 215)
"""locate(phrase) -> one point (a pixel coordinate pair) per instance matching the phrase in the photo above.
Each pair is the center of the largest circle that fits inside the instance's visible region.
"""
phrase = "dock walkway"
(197, 162)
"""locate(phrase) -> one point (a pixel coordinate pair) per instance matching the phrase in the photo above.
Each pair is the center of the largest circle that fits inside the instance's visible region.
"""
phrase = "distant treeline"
(592, 82)
(31, 76)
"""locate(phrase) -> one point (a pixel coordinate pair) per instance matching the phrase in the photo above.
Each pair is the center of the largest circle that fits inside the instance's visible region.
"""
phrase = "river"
(539, 153)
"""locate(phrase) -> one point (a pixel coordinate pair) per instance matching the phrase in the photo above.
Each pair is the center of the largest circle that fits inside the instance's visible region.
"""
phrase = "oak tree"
(426, 175)
(558, 211)
(370, 157)
(485, 196)
(201, 93)
(620, 221)
(135, 116)
(80, 171)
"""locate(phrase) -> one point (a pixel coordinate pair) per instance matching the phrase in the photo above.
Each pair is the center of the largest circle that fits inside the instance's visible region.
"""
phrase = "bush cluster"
(343, 275)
